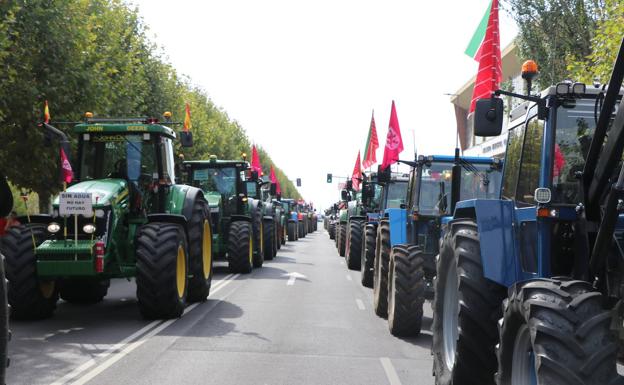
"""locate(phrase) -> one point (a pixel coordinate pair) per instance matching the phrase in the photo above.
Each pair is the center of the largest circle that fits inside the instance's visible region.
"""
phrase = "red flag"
(278, 188)
(46, 112)
(255, 160)
(187, 118)
(489, 56)
(68, 173)
(356, 177)
(372, 144)
(394, 142)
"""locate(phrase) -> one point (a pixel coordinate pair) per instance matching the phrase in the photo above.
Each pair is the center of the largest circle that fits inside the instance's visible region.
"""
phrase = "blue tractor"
(530, 287)
(409, 236)
(376, 198)
(292, 222)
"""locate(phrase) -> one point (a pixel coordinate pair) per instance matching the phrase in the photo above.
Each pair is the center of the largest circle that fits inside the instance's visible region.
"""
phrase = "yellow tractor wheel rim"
(181, 271)
(47, 288)
(207, 250)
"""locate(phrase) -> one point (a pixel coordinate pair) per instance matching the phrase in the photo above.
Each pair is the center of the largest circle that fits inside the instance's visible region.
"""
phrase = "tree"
(552, 30)
(605, 45)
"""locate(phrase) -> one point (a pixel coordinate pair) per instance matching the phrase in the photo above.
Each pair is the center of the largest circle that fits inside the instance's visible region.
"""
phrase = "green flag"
(479, 34)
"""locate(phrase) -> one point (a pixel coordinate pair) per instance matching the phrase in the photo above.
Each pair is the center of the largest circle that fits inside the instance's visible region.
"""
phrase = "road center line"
(144, 331)
(391, 374)
(359, 304)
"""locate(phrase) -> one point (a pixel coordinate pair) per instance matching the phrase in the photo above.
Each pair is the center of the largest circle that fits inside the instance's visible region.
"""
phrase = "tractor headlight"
(562, 88)
(100, 213)
(542, 195)
(89, 228)
(578, 89)
(54, 227)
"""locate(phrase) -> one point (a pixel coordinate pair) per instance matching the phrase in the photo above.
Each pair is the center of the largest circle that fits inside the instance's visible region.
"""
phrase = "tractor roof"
(124, 128)
(451, 159)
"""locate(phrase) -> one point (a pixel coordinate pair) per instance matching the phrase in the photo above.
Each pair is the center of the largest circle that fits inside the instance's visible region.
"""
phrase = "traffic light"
(329, 178)
(298, 182)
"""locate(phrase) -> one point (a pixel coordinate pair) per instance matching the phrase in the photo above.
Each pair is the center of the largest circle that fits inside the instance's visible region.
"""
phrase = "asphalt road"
(301, 319)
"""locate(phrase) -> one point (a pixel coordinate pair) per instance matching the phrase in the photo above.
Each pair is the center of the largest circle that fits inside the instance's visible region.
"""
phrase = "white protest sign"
(75, 203)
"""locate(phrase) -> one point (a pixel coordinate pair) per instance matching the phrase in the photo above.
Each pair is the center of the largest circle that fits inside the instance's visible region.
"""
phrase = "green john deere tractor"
(236, 214)
(124, 216)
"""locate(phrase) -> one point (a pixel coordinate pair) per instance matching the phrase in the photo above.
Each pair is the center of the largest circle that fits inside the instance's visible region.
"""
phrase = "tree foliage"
(552, 30)
(605, 44)
(92, 55)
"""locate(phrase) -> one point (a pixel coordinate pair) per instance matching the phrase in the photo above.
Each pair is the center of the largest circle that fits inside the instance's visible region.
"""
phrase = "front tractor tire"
(380, 269)
(466, 309)
(240, 247)
(557, 333)
(301, 229)
(162, 270)
(342, 239)
(331, 229)
(29, 296)
(84, 291)
(406, 290)
(354, 253)
(368, 255)
(200, 252)
(259, 239)
(292, 231)
(269, 240)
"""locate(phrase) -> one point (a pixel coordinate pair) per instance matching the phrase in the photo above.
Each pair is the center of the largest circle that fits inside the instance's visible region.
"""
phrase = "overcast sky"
(302, 77)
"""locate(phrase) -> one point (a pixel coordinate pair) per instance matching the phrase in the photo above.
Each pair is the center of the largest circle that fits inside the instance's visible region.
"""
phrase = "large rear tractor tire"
(29, 296)
(84, 291)
(301, 227)
(200, 252)
(354, 254)
(380, 269)
(406, 291)
(279, 235)
(269, 243)
(331, 229)
(162, 270)
(240, 247)
(556, 333)
(368, 255)
(292, 231)
(466, 309)
(342, 239)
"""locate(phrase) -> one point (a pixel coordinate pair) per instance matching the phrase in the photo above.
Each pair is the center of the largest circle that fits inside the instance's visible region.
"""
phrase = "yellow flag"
(187, 118)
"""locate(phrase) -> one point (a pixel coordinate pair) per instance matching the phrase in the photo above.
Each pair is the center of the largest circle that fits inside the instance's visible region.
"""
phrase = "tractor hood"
(104, 191)
(213, 198)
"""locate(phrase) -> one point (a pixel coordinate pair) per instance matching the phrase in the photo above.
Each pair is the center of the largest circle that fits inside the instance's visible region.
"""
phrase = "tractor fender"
(494, 219)
(237, 217)
(291, 220)
(357, 218)
(397, 219)
(169, 218)
(192, 194)
(38, 218)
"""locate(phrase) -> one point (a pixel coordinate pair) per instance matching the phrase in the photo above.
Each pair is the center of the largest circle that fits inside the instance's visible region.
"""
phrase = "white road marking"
(127, 346)
(359, 304)
(292, 277)
(391, 374)
(349, 277)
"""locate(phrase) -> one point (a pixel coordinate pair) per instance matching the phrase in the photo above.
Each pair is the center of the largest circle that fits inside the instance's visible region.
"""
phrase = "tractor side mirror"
(254, 175)
(344, 195)
(384, 176)
(488, 117)
(349, 185)
(368, 191)
(186, 139)
(273, 189)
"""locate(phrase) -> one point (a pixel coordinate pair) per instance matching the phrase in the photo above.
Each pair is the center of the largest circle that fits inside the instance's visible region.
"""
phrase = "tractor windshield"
(222, 180)
(480, 181)
(117, 156)
(397, 193)
(575, 129)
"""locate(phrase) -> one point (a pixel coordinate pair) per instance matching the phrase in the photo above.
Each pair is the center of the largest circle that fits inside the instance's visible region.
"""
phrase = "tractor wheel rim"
(261, 237)
(181, 271)
(391, 294)
(450, 328)
(250, 250)
(47, 288)
(207, 250)
(523, 359)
